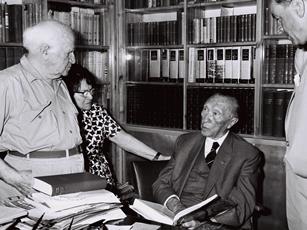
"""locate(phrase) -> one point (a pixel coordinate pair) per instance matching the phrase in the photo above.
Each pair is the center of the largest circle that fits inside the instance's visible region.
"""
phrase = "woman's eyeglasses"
(87, 93)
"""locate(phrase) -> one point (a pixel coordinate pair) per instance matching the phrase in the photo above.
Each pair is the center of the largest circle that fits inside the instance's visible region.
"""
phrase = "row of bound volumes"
(272, 26)
(89, 25)
(222, 64)
(155, 105)
(14, 18)
(275, 104)
(237, 28)
(96, 62)
(279, 64)
(155, 29)
(212, 65)
(10, 56)
(136, 4)
(196, 97)
(156, 65)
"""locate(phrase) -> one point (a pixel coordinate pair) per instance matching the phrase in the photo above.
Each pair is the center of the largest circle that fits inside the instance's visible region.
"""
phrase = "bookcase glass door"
(90, 21)
(166, 87)
(277, 75)
(16, 16)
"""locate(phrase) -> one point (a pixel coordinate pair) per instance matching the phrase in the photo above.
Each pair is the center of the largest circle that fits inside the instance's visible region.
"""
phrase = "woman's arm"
(133, 145)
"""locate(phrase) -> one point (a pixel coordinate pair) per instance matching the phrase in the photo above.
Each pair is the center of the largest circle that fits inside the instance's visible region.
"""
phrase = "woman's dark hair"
(282, 1)
(76, 74)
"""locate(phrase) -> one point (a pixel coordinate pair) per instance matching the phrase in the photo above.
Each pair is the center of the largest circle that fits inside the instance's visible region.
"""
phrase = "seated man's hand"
(193, 219)
(175, 205)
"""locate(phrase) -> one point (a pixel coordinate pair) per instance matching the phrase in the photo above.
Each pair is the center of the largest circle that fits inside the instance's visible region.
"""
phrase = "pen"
(38, 222)
(72, 220)
(12, 226)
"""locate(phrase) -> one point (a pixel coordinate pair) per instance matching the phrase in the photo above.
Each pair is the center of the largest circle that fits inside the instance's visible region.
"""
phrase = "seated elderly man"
(194, 173)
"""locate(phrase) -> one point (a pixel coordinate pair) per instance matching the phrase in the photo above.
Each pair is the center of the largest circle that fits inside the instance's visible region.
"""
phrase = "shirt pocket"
(38, 125)
(32, 113)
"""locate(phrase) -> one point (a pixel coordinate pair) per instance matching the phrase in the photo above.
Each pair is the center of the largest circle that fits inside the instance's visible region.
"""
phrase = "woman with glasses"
(96, 124)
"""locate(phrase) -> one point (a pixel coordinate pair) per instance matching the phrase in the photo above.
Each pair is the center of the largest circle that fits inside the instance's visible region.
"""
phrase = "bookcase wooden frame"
(258, 85)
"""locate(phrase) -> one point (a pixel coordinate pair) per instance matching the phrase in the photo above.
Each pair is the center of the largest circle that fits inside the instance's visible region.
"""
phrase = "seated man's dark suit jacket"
(233, 175)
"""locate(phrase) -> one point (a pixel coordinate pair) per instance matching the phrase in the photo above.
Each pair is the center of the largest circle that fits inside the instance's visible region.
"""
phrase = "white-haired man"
(293, 16)
(38, 124)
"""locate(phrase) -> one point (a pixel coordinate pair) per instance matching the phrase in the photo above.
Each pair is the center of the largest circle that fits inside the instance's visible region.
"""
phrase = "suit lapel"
(220, 163)
(192, 150)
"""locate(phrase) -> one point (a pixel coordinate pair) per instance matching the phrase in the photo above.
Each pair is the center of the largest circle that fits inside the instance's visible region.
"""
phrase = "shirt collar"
(34, 74)
(219, 140)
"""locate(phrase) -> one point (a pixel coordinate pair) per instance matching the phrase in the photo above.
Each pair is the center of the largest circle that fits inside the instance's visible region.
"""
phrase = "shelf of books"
(15, 17)
(167, 87)
(277, 75)
(90, 21)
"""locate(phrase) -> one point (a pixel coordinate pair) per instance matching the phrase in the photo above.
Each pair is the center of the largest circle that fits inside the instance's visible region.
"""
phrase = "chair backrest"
(145, 174)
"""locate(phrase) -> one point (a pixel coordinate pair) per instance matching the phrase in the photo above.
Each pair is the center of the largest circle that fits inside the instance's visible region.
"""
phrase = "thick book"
(68, 183)
(159, 213)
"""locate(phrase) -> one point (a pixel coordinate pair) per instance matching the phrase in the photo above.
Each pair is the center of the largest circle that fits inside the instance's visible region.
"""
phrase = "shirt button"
(40, 117)
(287, 143)
(63, 112)
(70, 131)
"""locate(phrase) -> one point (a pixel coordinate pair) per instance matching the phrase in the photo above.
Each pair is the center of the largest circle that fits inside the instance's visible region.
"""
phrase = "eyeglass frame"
(85, 93)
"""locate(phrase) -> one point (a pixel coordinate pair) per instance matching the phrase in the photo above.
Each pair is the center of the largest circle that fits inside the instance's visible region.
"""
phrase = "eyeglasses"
(87, 93)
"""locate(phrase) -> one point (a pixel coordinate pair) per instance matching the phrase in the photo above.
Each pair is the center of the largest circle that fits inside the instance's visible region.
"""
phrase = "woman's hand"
(160, 157)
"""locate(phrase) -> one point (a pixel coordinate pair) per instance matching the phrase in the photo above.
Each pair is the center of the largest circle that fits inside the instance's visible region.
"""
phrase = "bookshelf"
(91, 22)
(15, 17)
(237, 37)
(181, 52)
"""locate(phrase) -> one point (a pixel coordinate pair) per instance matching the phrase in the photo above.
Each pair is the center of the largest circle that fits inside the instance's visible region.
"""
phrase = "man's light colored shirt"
(33, 115)
(209, 143)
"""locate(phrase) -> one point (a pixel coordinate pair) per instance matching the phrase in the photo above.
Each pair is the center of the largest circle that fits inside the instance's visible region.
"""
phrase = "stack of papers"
(74, 210)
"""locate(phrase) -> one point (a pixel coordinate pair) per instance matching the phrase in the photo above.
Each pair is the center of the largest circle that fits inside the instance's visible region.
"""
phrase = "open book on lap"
(159, 213)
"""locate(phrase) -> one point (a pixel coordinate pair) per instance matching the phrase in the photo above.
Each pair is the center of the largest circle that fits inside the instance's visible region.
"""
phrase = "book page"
(194, 207)
(153, 211)
(8, 214)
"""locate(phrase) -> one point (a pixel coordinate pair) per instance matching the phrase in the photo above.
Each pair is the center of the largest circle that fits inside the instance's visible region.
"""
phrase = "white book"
(246, 62)
(154, 64)
(192, 65)
(173, 66)
(159, 213)
(228, 64)
(165, 63)
(220, 64)
(236, 63)
(211, 64)
(201, 64)
(181, 69)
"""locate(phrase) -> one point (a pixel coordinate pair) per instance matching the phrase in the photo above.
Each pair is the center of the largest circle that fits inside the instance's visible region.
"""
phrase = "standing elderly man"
(293, 16)
(38, 124)
(194, 174)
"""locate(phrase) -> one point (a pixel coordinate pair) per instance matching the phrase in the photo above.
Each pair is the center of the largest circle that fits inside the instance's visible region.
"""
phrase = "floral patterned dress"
(98, 125)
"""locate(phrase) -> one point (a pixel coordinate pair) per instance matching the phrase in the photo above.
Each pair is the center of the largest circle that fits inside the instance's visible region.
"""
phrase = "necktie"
(212, 154)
